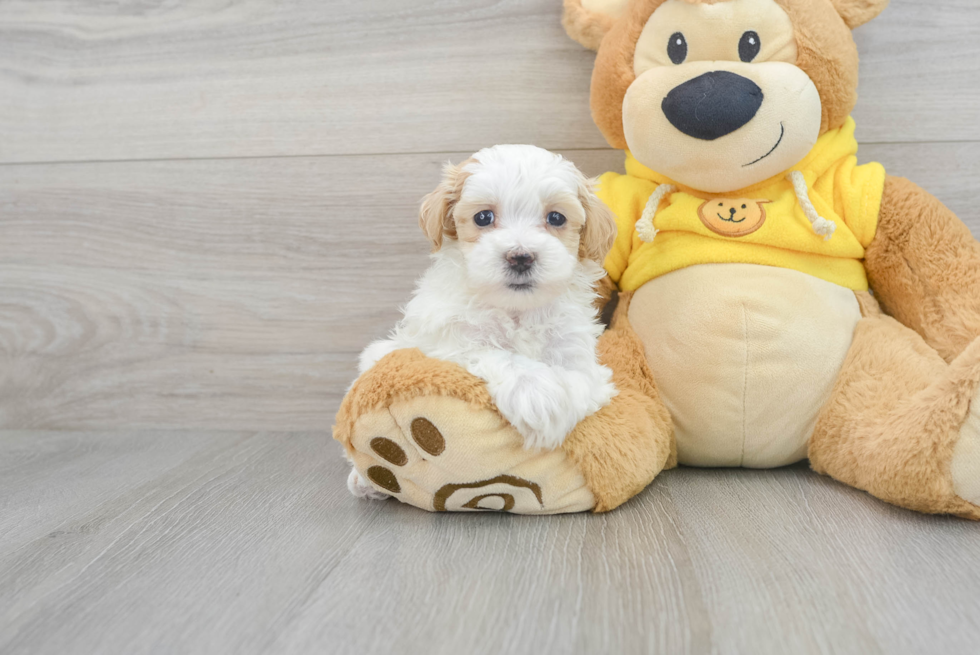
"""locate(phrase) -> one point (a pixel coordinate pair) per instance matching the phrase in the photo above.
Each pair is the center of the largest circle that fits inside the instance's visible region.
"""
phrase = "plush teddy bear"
(777, 301)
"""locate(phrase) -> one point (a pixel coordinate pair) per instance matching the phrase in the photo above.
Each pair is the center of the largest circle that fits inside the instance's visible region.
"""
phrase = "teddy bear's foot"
(903, 424)
(425, 432)
(440, 454)
(965, 465)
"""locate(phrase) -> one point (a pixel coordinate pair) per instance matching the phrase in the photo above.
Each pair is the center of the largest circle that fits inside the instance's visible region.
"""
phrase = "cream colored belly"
(745, 356)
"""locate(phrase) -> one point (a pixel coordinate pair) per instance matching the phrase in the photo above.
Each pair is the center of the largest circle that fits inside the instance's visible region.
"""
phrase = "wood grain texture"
(249, 543)
(86, 81)
(207, 208)
(235, 294)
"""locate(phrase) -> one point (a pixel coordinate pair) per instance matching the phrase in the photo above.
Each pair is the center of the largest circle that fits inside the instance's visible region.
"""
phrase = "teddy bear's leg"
(902, 424)
(426, 432)
(924, 267)
(622, 447)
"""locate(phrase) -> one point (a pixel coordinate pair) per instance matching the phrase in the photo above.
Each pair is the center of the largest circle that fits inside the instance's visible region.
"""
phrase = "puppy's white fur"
(530, 335)
(359, 488)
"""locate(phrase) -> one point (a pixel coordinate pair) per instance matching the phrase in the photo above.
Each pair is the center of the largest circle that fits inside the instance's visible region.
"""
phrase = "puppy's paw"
(592, 390)
(359, 488)
(539, 406)
(602, 394)
(548, 438)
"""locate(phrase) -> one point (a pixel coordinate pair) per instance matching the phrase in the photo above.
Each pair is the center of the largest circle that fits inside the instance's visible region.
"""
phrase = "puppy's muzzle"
(519, 261)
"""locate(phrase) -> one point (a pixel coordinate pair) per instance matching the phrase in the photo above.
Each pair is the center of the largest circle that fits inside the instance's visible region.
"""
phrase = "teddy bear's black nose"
(712, 105)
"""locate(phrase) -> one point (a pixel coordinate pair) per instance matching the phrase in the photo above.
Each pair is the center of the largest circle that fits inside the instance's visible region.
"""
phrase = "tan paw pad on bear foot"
(965, 467)
(441, 454)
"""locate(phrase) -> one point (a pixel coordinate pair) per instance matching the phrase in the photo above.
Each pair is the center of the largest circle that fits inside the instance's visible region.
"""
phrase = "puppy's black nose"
(520, 261)
(712, 105)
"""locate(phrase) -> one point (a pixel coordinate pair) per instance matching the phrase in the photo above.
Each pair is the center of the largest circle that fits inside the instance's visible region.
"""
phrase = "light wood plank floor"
(208, 207)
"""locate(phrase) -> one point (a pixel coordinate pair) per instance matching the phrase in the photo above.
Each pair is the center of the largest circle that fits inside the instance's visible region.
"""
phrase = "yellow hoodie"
(763, 224)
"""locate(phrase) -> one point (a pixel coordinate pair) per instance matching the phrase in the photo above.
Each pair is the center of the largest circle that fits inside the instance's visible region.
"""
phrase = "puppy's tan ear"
(599, 231)
(436, 214)
(858, 12)
(587, 21)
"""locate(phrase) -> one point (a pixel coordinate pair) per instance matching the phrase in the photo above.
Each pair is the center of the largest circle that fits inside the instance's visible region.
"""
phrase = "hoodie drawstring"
(821, 225)
(644, 227)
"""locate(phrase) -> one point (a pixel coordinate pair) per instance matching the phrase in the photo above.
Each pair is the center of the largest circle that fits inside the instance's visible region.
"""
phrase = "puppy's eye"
(555, 219)
(484, 218)
(749, 46)
(677, 48)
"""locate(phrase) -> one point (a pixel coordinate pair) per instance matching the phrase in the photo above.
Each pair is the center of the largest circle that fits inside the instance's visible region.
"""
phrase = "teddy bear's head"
(719, 95)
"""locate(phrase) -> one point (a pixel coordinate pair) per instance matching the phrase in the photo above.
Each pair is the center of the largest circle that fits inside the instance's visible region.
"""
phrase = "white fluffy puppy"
(518, 235)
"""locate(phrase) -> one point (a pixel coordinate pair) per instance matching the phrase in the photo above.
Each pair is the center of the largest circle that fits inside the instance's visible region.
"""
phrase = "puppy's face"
(523, 219)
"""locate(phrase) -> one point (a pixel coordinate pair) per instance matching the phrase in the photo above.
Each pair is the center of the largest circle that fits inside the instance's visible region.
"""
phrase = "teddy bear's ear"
(858, 12)
(587, 21)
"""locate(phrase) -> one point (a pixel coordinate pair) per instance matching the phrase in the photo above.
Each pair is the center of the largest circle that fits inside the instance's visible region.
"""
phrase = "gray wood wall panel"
(84, 81)
(235, 294)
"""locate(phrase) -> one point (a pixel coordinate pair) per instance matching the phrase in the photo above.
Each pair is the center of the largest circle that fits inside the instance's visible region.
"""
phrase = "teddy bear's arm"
(924, 268)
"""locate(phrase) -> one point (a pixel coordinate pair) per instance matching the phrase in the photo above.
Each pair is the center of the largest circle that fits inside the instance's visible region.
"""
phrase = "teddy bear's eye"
(484, 218)
(749, 46)
(677, 48)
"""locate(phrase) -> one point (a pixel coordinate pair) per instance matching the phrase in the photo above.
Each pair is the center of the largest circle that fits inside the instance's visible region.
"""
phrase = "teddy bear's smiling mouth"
(782, 133)
(732, 219)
